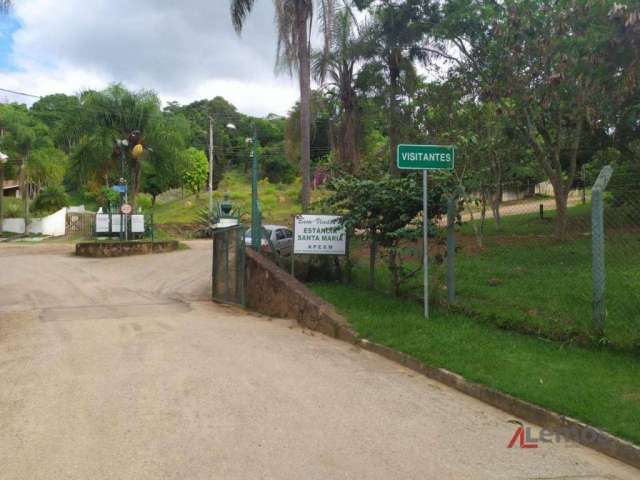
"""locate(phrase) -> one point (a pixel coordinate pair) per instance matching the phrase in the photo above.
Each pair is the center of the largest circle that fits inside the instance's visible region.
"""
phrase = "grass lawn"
(527, 222)
(523, 279)
(278, 202)
(545, 287)
(598, 386)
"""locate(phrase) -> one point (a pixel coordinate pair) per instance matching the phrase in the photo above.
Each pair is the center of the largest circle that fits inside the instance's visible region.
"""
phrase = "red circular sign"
(126, 209)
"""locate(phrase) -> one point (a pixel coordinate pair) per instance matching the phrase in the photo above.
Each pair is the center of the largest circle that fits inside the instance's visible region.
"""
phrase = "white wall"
(13, 225)
(54, 225)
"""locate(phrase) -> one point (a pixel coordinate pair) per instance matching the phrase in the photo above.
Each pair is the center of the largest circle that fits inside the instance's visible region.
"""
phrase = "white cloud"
(185, 50)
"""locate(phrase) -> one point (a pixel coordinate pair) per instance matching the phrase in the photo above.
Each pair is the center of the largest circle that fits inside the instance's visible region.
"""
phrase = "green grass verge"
(599, 387)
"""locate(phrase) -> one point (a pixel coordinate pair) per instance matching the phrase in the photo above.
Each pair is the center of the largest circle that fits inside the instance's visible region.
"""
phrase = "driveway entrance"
(124, 369)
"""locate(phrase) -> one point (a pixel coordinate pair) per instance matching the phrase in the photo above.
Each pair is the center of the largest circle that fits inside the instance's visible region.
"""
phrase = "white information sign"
(115, 223)
(137, 223)
(102, 223)
(319, 235)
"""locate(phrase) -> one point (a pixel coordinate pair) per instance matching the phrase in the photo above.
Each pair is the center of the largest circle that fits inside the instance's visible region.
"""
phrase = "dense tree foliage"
(527, 90)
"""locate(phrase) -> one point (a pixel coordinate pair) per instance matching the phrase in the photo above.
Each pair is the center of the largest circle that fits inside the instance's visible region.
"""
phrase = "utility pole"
(210, 168)
(123, 184)
(25, 193)
(256, 230)
(3, 160)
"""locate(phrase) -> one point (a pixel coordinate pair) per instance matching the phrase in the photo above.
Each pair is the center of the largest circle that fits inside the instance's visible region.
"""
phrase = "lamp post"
(122, 145)
(3, 159)
(229, 126)
(256, 234)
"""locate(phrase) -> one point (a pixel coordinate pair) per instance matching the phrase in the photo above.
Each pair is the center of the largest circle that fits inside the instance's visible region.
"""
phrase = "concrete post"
(451, 248)
(597, 259)
(598, 269)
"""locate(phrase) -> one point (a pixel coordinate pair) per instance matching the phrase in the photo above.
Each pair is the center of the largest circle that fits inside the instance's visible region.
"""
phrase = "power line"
(19, 93)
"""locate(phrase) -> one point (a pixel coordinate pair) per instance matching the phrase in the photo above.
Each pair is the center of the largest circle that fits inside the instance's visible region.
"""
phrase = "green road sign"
(425, 157)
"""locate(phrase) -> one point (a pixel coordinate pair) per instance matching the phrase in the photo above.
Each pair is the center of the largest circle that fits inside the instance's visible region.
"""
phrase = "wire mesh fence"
(622, 258)
(533, 265)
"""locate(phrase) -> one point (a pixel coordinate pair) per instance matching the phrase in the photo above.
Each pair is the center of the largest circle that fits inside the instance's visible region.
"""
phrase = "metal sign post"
(425, 158)
(425, 233)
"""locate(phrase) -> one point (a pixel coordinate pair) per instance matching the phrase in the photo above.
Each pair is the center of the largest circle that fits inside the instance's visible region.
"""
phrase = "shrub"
(277, 169)
(196, 169)
(12, 207)
(106, 197)
(144, 201)
(51, 198)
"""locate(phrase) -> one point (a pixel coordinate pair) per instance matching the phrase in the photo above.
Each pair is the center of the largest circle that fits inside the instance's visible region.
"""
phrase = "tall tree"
(394, 40)
(294, 19)
(21, 134)
(222, 113)
(61, 113)
(557, 67)
(336, 67)
(120, 113)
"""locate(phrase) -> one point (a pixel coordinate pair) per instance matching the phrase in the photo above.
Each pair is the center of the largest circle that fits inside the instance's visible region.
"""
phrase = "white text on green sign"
(425, 157)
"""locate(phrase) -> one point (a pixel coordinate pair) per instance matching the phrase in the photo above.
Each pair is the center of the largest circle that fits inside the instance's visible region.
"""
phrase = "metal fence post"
(598, 269)
(597, 260)
(451, 248)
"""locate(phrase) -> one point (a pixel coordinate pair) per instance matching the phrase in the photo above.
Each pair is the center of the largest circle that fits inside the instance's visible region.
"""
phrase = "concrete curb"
(298, 302)
(123, 249)
(580, 432)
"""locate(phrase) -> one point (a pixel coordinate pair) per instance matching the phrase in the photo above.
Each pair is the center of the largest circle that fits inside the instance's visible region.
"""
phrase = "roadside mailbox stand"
(425, 158)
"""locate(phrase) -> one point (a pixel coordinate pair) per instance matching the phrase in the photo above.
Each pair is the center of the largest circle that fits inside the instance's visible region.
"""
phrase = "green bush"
(277, 169)
(106, 197)
(12, 207)
(51, 198)
(195, 175)
(144, 201)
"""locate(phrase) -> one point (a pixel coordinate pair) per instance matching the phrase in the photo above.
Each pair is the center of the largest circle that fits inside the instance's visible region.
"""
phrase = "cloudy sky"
(183, 49)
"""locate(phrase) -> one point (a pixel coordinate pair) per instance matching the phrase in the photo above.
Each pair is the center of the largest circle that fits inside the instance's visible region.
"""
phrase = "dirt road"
(122, 369)
(520, 207)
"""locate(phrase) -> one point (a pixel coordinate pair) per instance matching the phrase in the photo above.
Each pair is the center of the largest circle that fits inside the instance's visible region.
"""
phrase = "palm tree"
(118, 113)
(338, 66)
(294, 19)
(394, 39)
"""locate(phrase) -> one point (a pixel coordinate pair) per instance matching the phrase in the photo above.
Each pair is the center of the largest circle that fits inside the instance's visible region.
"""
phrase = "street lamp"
(229, 126)
(3, 159)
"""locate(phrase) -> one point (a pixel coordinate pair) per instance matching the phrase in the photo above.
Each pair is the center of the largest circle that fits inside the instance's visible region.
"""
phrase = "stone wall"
(274, 292)
(119, 249)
